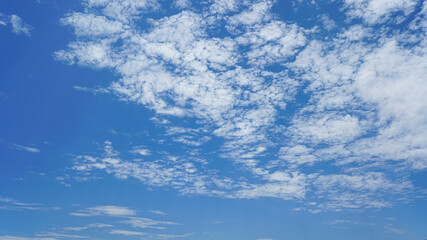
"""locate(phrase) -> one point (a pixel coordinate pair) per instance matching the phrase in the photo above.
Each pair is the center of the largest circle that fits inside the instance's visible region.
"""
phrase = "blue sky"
(216, 119)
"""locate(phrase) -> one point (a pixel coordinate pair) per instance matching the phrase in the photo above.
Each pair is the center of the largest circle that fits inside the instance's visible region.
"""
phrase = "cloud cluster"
(375, 11)
(302, 114)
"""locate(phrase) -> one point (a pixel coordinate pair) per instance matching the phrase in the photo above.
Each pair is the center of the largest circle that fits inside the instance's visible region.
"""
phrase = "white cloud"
(108, 210)
(286, 190)
(147, 223)
(60, 235)
(180, 174)
(326, 128)
(12, 204)
(182, 4)
(92, 25)
(349, 222)
(123, 10)
(371, 190)
(25, 148)
(3, 20)
(19, 27)
(127, 233)
(272, 42)
(328, 23)
(393, 230)
(23, 238)
(223, 6)
(356, 33)
(92, 225)
(374, 11)
(298, 154)
(141, 151)
(353, 100)
(157, 212)
(256, 13)
(167, 236)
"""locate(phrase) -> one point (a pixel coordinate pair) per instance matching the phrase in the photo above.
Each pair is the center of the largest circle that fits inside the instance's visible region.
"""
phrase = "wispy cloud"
(113, 211)
(157, 212)
(12, 204)
(23, 238)
(168, 236)
(393, 230)
(60, 235)
(25, 148)
(127, 233)
(92, 225)
(147, 223)
(18, 26)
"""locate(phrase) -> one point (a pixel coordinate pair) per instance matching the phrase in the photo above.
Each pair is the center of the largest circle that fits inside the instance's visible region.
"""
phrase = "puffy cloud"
(257, 13)
(182, 4)
(272, 42)
(223, 6)
(92, 25)
(122, 10)
(374, 11)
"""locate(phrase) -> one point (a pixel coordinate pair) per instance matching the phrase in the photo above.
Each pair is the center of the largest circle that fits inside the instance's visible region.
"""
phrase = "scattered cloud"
(328, 23)
(393, 230)
(141, 151)
(168, 236)
(3, 20)
(60, 235)
(349, 222)
(376, 11)
(18, 26)
(147, 223)
(127, 233)
(12, 204)
(23, 238)
(157, 212)
(288, 103)
(108, 210)
(92, 225)
(25, 148)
